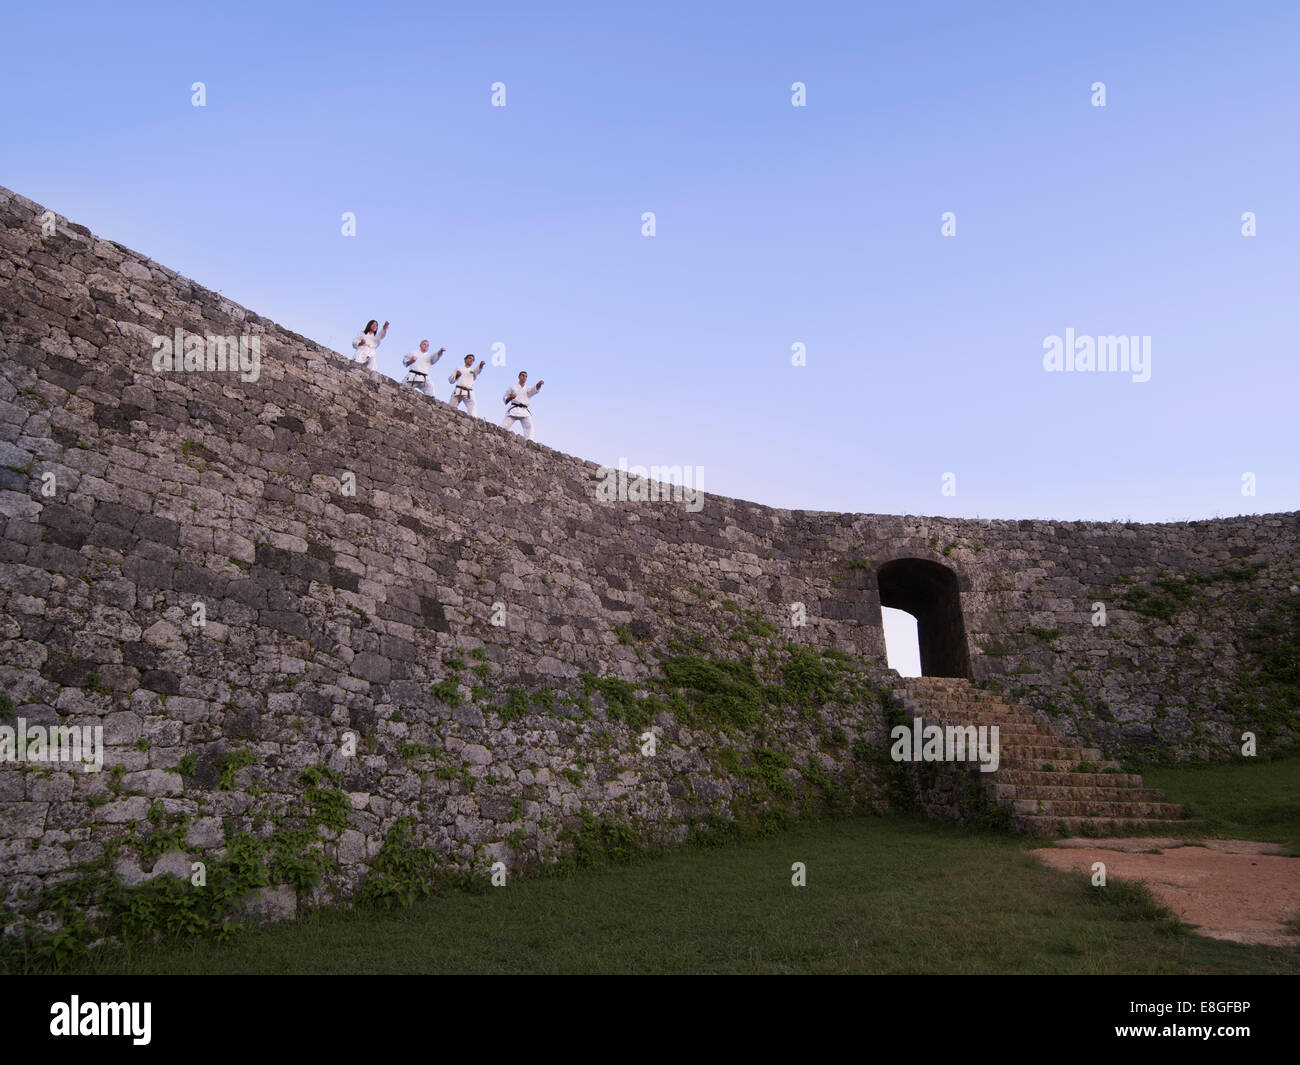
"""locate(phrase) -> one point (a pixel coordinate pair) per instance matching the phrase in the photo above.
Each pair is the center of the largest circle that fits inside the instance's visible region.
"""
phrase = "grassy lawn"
(1240, 801)
(884, 895)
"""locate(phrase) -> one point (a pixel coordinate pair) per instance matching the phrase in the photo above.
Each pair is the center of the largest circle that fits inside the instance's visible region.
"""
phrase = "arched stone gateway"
(929, 592)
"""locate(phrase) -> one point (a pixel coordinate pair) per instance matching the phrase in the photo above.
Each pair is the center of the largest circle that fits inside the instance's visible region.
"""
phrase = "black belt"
(417, 373)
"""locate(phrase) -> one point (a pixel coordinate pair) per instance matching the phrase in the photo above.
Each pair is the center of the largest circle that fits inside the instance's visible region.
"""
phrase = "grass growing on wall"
(94, 904)
(1165, 595)
(1267, 702)
(734, 693)
(738, 696)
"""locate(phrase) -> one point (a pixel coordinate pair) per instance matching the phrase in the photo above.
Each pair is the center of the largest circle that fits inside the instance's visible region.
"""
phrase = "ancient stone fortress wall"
(330, 628)
(373, 571)
(1151, 641)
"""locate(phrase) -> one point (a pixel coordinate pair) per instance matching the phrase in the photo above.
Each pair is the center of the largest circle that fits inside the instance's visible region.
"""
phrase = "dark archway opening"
(928, 591)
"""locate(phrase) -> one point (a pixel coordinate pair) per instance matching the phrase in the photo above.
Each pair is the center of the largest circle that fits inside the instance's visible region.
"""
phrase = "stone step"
(970, 694)
(946, 699)
(1066, 808)
(1081, 780)
(974, 710)
(1074, 826)
(1014, 760)
(1065, 758)
(974, 713)
(1017, 730)
(1069, 792)
(1019, 737)
(1036, 778)
(933, 715)
(957, 697)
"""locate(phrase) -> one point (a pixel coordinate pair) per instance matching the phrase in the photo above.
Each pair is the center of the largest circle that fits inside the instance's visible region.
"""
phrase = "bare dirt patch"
(1230, 889)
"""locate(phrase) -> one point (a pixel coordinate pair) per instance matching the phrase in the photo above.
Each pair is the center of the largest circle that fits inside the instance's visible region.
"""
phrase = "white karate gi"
(517, 409)
(365, 345)
(463, 380)
(421, 362)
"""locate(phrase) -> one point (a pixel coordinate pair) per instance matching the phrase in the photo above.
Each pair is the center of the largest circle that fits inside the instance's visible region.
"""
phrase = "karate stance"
(463, 380)
(516, 399)
(367, 342)
(418, 364)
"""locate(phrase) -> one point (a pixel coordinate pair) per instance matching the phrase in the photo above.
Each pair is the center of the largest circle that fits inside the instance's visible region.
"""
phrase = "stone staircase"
(1037, 780)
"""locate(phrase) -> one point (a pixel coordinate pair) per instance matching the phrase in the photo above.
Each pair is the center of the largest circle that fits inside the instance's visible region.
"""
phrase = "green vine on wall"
(94, 905)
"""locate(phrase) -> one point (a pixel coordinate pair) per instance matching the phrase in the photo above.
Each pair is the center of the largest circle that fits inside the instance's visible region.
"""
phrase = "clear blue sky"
(775, 224)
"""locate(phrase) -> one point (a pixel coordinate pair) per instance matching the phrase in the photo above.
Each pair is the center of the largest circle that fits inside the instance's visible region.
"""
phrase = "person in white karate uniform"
(462, 381)
(367, 343)
(418, 363)
(516, 399)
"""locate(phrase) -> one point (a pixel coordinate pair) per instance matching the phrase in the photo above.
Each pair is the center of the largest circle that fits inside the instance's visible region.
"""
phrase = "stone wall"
(468, 611)
(340, 571)
(1170, 670)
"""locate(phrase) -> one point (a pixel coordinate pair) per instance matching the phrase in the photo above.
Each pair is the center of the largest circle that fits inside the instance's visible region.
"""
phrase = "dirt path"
(1231, 889)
